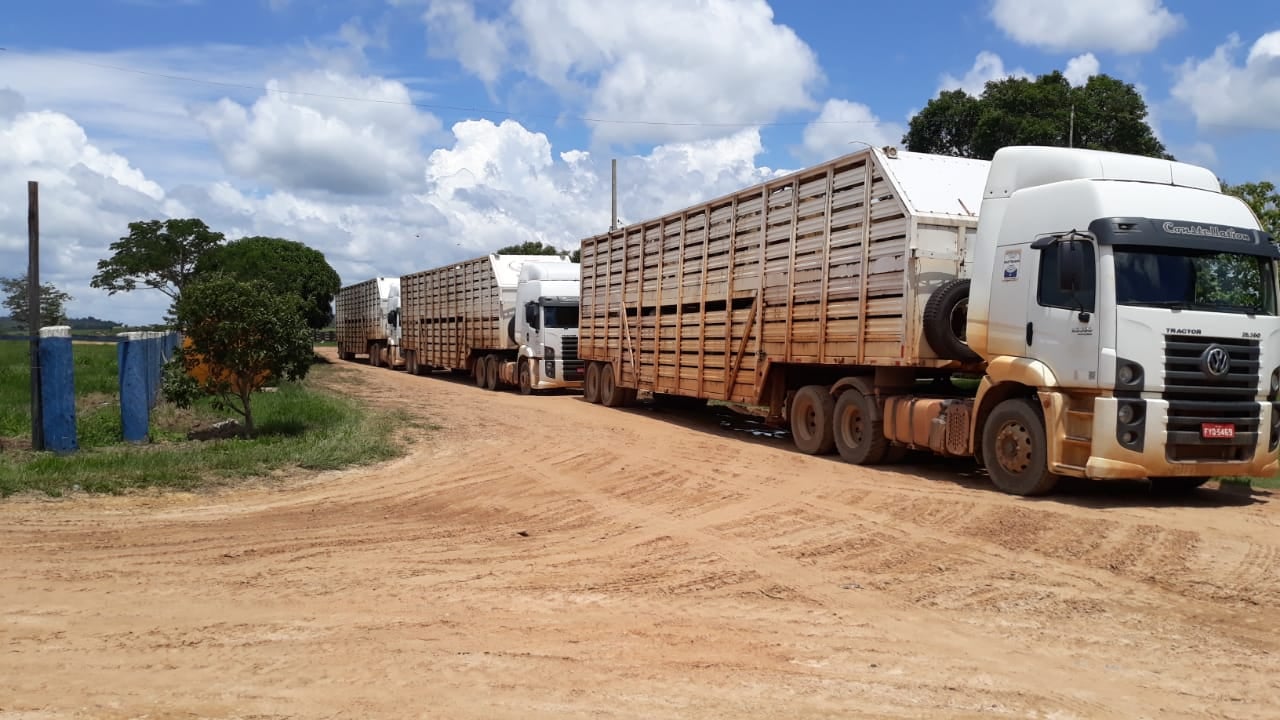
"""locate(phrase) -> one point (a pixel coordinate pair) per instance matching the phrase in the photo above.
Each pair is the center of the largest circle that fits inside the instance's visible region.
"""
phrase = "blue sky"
(378, 167)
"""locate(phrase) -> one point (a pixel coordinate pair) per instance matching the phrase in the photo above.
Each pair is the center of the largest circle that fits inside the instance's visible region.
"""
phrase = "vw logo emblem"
(1215, 362)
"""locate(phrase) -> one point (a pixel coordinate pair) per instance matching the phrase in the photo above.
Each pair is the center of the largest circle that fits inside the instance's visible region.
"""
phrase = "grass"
(97, 393)
(298, 426)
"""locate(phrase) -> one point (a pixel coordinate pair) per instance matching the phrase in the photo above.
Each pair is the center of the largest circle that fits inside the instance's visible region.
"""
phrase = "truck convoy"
(1053, 312)
(507, 319)
(366, 318)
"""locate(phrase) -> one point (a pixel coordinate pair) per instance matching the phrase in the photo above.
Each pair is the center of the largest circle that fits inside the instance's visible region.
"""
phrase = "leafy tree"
(52, 303)
(239, 335)
(532, 247)
(289, 267)
(1263, 199)
(1109, 115)
(159, 254)
(945, 126)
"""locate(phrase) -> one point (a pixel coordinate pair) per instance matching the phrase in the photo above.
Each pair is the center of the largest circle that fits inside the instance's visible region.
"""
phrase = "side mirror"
(1071, 268)
(531, 314)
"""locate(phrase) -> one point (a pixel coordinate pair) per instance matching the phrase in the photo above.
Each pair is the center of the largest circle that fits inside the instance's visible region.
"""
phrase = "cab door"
(1062, 320)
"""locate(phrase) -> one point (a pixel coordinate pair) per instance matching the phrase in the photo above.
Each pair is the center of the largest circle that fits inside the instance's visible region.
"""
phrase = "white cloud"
(987, 66)
(87, 198)
(1221, 93)
(842, 122)
(1199, 153)
(479, 45)
(1081, 68)
(303, 141)
(716, 62)
(1121, 26)
(491, 185)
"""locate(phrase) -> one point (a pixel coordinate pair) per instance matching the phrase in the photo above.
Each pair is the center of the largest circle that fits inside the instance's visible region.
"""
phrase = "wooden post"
(33, 310)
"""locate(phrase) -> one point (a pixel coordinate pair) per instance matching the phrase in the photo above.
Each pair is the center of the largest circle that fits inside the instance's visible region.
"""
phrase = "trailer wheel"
(526, 376)
(812, 412)
(409, 365)
(591, 383)
(610, 394)
(479, 371)
(374, 356)
(945, 318)
(491, 372)
(859, 437)
(1014, 449)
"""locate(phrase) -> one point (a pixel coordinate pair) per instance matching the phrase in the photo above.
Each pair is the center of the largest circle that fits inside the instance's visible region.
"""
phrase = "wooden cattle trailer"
(364, 320)
(458, 317)
(801, 280)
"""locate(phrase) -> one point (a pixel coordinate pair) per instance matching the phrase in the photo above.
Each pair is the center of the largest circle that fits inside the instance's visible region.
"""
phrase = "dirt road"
(544, 558)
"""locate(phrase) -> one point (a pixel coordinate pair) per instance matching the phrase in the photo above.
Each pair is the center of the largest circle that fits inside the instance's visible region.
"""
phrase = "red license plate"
(1217, 431)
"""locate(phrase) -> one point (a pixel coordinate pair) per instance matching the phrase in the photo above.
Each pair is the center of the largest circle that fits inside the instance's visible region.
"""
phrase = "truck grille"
(1195, 398)
(569, 347)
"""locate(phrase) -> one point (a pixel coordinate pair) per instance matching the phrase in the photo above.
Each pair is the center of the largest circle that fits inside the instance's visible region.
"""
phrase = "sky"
(400, 135)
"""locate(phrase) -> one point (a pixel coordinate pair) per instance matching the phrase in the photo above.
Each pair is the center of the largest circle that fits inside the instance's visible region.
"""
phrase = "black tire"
(479, 371)
(491, 372)
(611, 395)
(945, 316)
(410, 365)
(859, 438)
(525, 373)
(511, 330)
(1014, 449)
(812, 411)
(591, 383)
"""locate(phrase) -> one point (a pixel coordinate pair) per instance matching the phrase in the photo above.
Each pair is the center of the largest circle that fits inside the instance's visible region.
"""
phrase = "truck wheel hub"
(1013, 447)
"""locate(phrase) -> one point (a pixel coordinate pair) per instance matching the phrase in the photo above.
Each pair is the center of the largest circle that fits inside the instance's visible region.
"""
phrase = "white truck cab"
(546, 323)
(1139, 302)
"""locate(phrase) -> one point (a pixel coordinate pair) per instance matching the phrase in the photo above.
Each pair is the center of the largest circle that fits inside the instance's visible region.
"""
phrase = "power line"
(453, 108)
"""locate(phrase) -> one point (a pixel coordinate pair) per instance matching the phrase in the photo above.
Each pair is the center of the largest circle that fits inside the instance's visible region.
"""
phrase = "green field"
(97, 393)
(299, 425)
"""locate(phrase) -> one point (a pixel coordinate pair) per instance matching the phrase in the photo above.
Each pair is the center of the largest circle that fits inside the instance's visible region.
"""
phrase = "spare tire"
(945, 318)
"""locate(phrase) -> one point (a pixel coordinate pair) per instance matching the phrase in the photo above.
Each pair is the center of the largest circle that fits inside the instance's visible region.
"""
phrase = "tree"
(239, 335)
(1263, 199)
(1109, 115)
(159, 254)
(532, 247)
(52, 303)
(289, 267)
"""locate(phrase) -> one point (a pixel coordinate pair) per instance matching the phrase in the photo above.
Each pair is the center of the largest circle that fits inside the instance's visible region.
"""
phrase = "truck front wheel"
(812, 412)
(526, 377)
(1015, 450)
(858, 436)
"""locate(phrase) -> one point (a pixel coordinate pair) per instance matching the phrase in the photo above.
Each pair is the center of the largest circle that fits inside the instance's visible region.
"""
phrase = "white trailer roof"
(506, 268)
(936, 184)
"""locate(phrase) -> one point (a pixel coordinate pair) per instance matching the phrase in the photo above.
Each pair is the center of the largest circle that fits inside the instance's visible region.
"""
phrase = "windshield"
(1194, 280)
(561, 316)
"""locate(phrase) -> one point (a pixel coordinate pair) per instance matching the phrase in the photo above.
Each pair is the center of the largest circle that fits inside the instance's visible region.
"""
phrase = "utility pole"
(33, 310)
(1071, 134)
(613, 224)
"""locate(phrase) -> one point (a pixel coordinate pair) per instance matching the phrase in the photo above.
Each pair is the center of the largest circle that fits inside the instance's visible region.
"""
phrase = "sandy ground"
(541, 557)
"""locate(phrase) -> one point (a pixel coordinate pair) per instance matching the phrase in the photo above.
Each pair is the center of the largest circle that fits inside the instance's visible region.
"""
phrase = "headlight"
(1275, 381)
(1127, 374)
(1125, 414)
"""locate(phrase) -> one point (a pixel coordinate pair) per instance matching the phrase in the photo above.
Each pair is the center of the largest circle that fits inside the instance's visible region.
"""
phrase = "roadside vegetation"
(299, 426)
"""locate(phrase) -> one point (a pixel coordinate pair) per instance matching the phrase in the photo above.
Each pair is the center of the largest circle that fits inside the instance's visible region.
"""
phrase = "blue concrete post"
(57, 390)
(135, 415)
